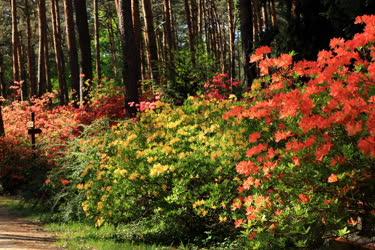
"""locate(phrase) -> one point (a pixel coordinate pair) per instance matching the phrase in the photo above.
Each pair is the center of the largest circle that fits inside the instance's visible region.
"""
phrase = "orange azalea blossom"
(254, 137)
(282, 135)
(65, 182)
(327, 202)
(367, 146)
(323, 150)
(333, 178)
(304, 198)
(257, 150)
(238, 223)
(247, 168)
(252, 235)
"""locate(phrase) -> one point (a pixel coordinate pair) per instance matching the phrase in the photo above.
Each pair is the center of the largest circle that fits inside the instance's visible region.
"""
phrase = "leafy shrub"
(310, 166)
(175, 165)
(21, 170)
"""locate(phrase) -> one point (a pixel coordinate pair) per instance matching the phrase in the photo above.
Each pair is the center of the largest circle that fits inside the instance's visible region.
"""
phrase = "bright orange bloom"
(333, 178)
(304, 198)
(323, 150)
(65, 182)
(257, 150)
(254, 137)
(238, 223)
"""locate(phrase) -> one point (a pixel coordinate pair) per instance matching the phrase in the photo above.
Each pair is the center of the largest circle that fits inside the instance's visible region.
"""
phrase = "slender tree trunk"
(232, 38)
(245, 8)
(191, 31)
(151, 38)
(137, 29)
(3, 85)
(97, 38)
(46, 60)
(274, 15)
(15, 43)
(112, 46)
(85, 46)
(42, 81)
(59, 56)
(2, 129)
(131, 67)
(30, 52)
(72, 48)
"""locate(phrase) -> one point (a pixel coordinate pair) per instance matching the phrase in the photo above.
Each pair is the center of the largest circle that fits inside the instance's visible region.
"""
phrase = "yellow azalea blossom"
(100, 206)
(80, 186)
(99, 222)
(134, 176)
(158, 169)
(223, 219)
(120, 172)
(199, 203)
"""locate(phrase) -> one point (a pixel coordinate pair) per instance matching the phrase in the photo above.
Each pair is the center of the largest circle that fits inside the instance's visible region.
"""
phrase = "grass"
(74, 235)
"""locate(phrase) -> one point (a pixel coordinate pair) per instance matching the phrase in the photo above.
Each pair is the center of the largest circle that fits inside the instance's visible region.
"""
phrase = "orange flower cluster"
(310, 109)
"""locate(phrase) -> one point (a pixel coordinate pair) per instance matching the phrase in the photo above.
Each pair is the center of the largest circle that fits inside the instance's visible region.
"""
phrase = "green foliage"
(186, 79)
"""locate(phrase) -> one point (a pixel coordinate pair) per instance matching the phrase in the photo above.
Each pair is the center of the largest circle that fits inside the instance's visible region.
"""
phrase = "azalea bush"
(22, 171)
(309, 171)
(175, 166)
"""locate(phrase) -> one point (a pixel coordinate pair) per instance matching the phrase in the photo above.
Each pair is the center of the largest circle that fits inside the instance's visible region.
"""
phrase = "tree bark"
(131, 67)
(42, 80)
(85, 46)
(151, 38)
(97, 40)
(232, 38)
(15, 43)
(30, 52)
(191, 30)
(2, 129)
(245, 8)
(72, 48)
(59, 56)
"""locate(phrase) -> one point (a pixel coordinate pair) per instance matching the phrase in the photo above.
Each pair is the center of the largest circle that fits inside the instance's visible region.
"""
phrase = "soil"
(21, 234)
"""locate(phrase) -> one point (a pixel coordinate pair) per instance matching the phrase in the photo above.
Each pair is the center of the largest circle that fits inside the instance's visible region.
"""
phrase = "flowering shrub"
(175, 164)
(221, 86)
(309, 167)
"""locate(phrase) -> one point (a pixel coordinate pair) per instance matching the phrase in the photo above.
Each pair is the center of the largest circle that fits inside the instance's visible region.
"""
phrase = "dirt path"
(18, 233)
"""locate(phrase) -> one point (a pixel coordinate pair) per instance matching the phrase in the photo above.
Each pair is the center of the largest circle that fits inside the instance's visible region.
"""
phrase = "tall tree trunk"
(137, 29)
(15, 43)
(42, 81)
(97, 38)
(2, 129)
(151, 38)
(245, 8)
(30, 52)
(274, 14)
(3, 85)
(191, 30)
(72, 48)
(59, 56)
(112, 46)
(131, 67)
(85, 46)
(232, 38)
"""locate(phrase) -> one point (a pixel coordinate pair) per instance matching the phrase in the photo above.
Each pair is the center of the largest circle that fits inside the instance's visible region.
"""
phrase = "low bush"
(175, 166)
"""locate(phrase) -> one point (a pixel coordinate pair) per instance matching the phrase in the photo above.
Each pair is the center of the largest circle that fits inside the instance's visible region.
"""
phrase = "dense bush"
(22, 171)
(175, 165)
(310, 168)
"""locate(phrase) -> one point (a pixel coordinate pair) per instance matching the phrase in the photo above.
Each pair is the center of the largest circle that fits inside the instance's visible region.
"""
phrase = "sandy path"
(18, 233)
